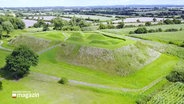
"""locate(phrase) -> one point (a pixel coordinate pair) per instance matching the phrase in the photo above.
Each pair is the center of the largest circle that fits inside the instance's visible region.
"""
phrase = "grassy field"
(125, 31)
(75, 94)
(50, 65)
(95, 45)
(176, 38)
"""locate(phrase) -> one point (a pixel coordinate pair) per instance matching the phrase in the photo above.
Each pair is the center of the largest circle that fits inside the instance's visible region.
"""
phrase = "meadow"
(176, 38)
(125, 31)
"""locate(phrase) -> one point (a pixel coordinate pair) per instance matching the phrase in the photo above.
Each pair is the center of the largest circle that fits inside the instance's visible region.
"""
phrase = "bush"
(181, 29)
(176, 76)
(171, 30)
(151, 31)
(148, 24)
(167, 21)
(131, 32)
(141, 30)
(143, 100)
(63, 80)
(177, 21)
(0, 85)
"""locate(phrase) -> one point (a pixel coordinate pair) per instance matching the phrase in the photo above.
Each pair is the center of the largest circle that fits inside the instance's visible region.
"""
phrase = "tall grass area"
(121, 61)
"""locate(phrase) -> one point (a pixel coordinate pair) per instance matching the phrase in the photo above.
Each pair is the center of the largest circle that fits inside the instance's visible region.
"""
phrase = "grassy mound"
(95, 37)
(121, 61)
(99, 42)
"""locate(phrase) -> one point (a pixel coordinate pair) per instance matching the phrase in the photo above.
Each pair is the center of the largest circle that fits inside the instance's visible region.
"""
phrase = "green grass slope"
(121, 61)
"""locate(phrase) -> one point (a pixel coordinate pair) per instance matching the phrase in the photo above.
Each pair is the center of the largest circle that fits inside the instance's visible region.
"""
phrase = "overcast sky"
(38, 3)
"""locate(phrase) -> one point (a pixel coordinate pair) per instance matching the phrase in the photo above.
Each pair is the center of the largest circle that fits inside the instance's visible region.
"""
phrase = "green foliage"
(142, 30)
(102, 26)
(58, 23)
(19, 61)
(63, 80)
(71, 28)
(120, 25)
(39, 23)
(168, 21)
(171, 30)
(154, 19)
(178, 74)
(148, 24)
(172, 94)
(0, 85)
(7, 26)
(1, 31)
(46, 27)
(143, 100)
(174, 21)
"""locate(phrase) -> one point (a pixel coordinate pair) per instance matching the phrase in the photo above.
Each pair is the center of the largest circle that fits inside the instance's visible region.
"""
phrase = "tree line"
(8, 24)
(75, 24)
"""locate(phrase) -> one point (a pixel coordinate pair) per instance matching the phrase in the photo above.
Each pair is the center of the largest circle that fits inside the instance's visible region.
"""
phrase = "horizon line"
(95, 5)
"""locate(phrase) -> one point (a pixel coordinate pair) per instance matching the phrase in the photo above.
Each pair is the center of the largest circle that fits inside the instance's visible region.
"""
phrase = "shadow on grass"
(9, 75)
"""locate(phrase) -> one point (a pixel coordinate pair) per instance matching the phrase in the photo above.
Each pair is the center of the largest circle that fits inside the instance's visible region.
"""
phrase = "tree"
(46, 27)
(20, 24)
(138, 21)
(1, 31)
(141, 30)
(167, 21)
(176, 21)
(154, 19)
(120, 25)
(39, 24)
(58, 23)
(102, 26)
(19, 62)
(148, 24)
(7, 26)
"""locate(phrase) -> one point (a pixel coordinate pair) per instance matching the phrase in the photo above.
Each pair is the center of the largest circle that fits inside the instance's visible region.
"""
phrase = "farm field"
(125, 31)
(176, 38)
(170, 95)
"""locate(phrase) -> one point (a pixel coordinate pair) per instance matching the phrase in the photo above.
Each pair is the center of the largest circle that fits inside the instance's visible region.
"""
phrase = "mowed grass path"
(159, 68)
